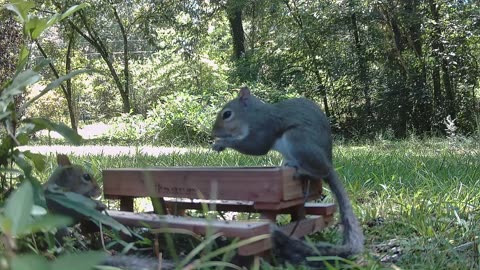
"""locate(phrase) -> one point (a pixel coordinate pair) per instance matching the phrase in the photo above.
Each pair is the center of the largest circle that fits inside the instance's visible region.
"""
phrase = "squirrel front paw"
(218, 146)
(100, 206)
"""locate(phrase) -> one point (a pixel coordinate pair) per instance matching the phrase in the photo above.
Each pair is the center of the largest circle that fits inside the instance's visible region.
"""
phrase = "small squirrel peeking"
(300, 131)
(73, 178)
(68, 177)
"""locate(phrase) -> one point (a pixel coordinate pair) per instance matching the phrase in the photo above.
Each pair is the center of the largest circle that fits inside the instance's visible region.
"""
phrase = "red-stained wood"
(307, 226)
(233, 229)
(320, 209)
(259, 184)
(267, 190)
(311, 208)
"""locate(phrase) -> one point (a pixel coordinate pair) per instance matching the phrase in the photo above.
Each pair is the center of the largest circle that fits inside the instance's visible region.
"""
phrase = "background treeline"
(399, 67)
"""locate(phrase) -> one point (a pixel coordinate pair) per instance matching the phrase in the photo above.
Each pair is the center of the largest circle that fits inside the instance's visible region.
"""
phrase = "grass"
(418, 200)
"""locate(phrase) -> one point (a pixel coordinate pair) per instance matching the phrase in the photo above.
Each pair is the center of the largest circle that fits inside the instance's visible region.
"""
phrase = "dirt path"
(106, 150)
(97, 130)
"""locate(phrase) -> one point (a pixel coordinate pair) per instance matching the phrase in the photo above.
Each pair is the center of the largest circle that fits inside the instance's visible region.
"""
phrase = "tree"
(86, 26)
(234, 13)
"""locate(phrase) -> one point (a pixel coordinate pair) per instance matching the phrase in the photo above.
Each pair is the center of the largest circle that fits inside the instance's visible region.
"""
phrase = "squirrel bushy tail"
(353, 237)
(295, 251)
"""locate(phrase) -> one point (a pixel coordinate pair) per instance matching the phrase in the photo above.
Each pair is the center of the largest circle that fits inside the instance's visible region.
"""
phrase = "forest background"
(389, 68)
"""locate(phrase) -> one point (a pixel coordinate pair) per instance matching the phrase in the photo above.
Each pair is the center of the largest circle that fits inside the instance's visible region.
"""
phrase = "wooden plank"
(262, 184)
(255, 248)
(241, 229)
(283, 204)
(234, 206)
(320, 209)
(232, 229)
(311, 208)
(307, 226)
(297, 188)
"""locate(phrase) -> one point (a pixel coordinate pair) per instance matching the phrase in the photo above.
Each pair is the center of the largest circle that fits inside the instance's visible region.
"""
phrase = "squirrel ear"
(244, 95)
(63, 160)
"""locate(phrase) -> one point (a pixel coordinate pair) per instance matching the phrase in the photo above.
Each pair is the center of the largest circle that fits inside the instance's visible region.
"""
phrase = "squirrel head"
(73, 178)
(232, 121)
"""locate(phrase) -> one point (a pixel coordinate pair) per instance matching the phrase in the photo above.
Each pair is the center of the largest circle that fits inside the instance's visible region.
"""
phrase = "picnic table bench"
(269, 191)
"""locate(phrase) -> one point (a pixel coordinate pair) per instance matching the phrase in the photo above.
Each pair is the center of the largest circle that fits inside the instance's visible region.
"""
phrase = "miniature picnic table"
(269, 191)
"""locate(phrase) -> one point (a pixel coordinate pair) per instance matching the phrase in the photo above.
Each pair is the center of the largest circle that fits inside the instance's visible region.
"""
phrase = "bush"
(180, 118)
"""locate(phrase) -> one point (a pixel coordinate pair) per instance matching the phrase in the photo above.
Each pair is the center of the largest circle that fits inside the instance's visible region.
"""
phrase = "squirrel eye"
(87, 177)
(226, 115)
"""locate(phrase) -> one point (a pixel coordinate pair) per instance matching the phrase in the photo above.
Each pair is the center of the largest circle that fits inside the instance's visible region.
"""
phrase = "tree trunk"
(438, 50)
(404, 106)
(92, 37)
(69, 87)
(126, 72)
(437, 88)
(234, 14)
(66, 93)
(313, 56)
(422, 104)
(362, 69)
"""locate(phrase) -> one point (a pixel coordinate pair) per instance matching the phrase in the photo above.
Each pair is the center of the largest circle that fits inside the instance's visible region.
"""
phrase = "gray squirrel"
(300, 131)
(73, 178)
(68, 177)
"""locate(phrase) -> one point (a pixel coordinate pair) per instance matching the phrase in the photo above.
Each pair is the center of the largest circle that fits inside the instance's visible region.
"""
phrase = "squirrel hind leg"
(295, 251)
(299, 174)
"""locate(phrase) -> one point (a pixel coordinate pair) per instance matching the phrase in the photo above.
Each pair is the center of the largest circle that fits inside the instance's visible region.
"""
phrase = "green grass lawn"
(417, 200)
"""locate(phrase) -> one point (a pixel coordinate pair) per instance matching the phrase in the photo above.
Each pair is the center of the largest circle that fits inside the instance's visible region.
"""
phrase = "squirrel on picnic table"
(300, 131)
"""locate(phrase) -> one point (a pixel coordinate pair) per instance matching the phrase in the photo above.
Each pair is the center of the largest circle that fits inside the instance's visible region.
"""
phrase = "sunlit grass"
(418, 200)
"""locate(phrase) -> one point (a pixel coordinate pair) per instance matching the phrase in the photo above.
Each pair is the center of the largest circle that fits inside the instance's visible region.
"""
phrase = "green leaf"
(38, 210)
(56, 83)
(39, 194)
(35, 27)
(6, 114)
(21, 8)
(43, 63)
(55, 18)
(48, 222)
(21, 81)
(37, 159)
(22, 138)
(72, 10)
(197, 250)
(23, 58)
(86, 207)
(69, 134)
(5, 225)
(80, 261)
(29, 262)
(18, 208)
(23, 164)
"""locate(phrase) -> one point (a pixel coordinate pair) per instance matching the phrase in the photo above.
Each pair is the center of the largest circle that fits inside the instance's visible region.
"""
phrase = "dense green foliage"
(398, 66)
(24, 212)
